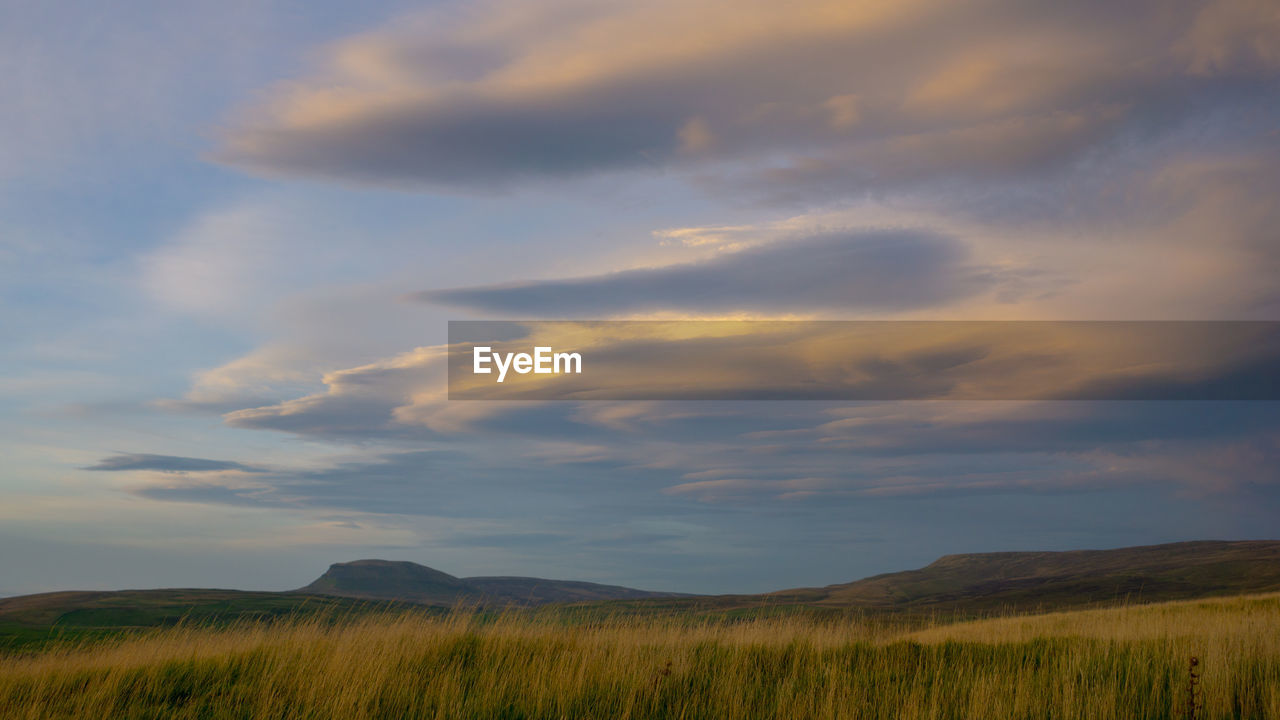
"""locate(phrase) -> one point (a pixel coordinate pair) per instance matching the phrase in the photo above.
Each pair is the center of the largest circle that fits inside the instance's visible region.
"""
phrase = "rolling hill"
(1053, 580)
(959, 585)
(411, 582)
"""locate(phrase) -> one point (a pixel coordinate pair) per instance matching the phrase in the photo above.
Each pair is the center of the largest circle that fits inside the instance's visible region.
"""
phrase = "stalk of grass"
(1120, 663)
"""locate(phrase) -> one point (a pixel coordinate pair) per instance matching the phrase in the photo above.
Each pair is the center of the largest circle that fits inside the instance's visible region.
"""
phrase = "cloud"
(795, 459)
(219, 263)
(234, 261)
(1232, 35)
(258, 378)
(364, 401)
(167, 464)
(389, 483)
(892, 91)
(696, 236)
(757, 452)
(852, 271)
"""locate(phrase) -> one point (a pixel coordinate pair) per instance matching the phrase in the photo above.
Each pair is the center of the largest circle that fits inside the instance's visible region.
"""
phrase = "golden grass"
(1120, 663)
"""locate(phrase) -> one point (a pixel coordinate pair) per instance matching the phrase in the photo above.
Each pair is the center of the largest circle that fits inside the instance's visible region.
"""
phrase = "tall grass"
(1123, 663)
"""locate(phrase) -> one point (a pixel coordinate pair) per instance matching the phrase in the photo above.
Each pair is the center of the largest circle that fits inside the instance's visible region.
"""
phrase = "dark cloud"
(166, 463)
(396, 482)
(470, 143)
(533, 456)
(854, 271)
(415, 483)
(862, 95)
(1025, 167)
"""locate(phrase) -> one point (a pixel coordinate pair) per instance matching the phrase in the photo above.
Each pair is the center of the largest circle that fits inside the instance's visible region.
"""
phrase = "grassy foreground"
(1118, 663)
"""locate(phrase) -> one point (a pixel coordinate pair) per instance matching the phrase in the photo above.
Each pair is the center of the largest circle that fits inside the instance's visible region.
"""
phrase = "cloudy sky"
(231, 238)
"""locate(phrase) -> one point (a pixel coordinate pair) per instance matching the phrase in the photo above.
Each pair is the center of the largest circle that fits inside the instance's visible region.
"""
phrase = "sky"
(232, 236)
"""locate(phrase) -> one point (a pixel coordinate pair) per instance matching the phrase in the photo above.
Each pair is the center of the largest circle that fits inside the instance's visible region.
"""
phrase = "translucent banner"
(863, 360)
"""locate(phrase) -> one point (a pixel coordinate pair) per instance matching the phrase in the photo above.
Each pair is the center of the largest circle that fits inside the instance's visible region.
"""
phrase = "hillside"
(411, 582)
(1078, 578)
(391, 580)
(955, 585)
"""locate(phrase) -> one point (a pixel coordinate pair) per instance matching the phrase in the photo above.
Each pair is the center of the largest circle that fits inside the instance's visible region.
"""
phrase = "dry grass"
(1122, 663)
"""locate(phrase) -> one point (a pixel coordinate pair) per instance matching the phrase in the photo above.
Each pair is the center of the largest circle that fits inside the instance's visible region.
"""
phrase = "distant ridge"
(976, 582)
(960, 585)
(410, 582)
(1073, 578)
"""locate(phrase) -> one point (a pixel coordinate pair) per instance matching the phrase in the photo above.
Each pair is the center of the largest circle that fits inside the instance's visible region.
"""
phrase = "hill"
(956, 585)
(411, 582)
(1023, 581)
(386, 579)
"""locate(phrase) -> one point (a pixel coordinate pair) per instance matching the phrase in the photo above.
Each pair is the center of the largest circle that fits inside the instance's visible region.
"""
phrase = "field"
(1128, 662)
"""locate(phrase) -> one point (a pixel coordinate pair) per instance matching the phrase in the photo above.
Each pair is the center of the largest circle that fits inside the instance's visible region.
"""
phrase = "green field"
(1127, 662)
(34, 621)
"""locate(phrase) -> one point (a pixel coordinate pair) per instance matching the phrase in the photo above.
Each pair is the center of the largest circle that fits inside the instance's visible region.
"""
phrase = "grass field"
(1119, 663)
(33, 621)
